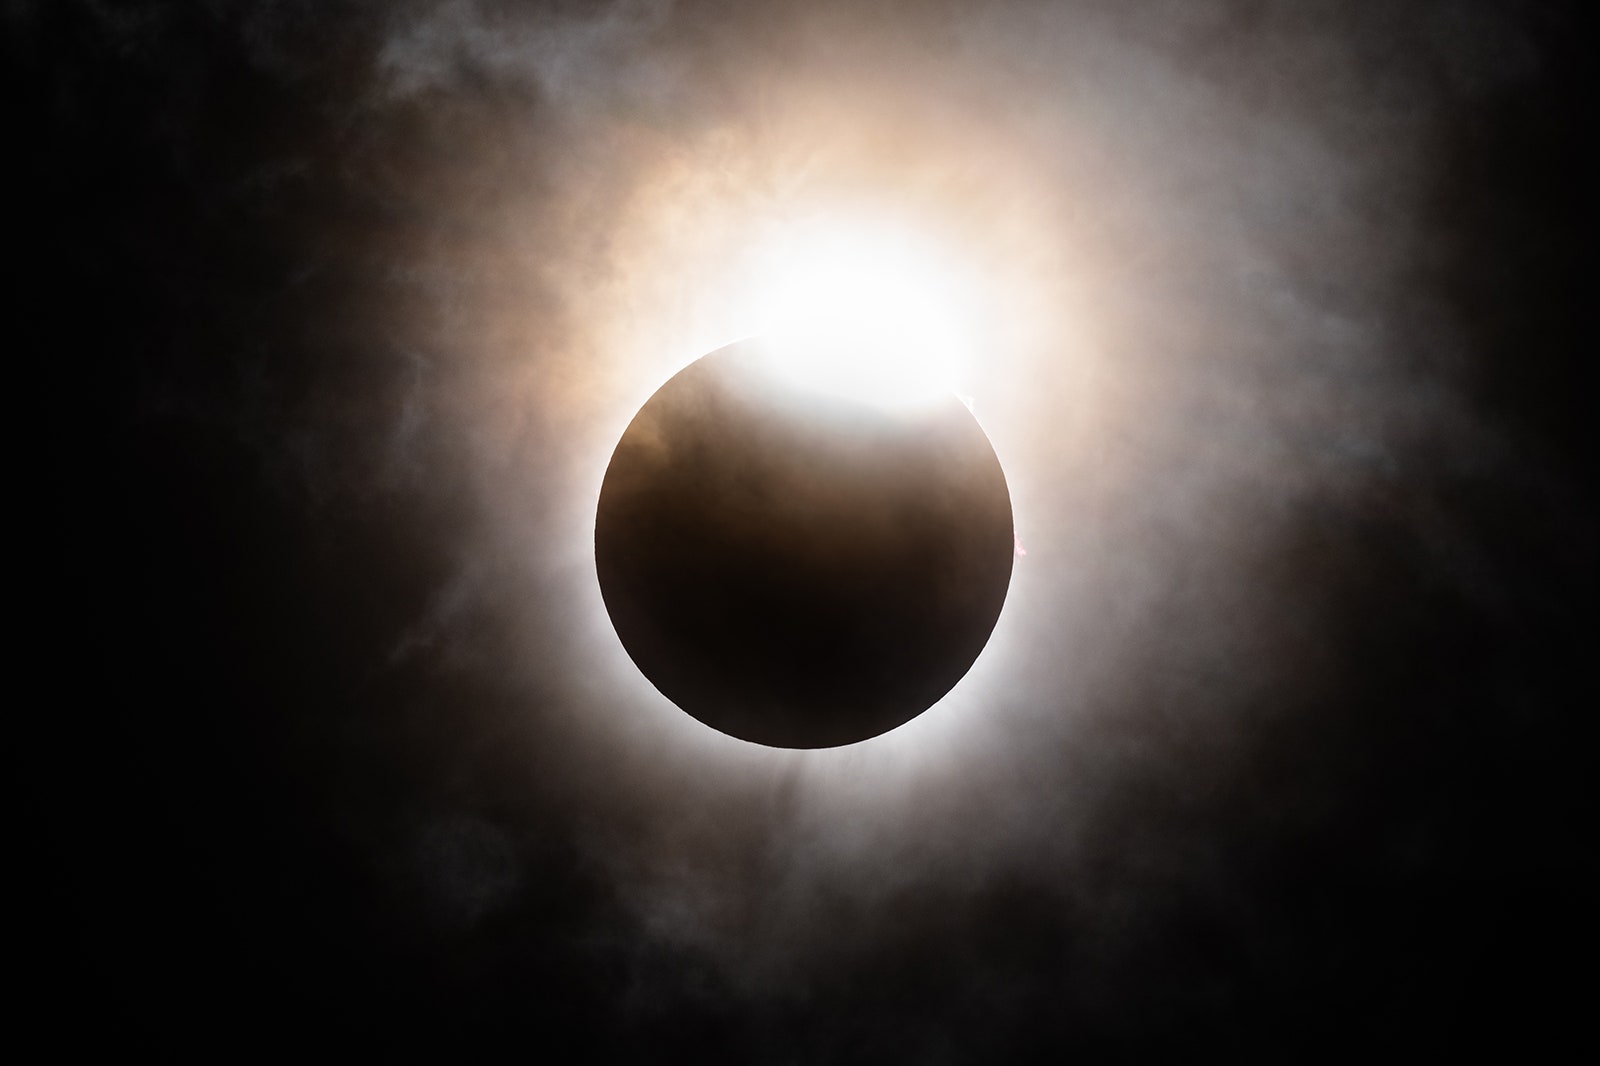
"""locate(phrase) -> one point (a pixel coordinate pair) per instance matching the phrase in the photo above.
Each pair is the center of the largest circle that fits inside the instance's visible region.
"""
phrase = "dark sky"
(341, 308)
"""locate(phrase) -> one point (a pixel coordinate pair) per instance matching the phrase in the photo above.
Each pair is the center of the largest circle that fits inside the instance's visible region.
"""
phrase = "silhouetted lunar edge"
(795, 569)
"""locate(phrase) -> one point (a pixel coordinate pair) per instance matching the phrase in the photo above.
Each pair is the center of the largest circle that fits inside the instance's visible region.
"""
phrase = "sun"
(870, 311)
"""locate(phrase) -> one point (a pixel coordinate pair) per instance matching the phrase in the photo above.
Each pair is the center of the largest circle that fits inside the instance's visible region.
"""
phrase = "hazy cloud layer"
(1246, 382)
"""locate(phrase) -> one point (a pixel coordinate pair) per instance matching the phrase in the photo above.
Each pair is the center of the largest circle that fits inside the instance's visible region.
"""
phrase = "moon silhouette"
(798, 569)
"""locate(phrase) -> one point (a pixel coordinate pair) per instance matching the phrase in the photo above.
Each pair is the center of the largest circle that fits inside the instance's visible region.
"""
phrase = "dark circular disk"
(797, 569)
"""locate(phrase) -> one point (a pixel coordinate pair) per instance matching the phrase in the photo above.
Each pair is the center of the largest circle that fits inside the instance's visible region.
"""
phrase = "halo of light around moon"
(801, 568)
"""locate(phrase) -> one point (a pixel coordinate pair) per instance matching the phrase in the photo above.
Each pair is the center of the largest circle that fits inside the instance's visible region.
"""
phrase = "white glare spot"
(867, 312)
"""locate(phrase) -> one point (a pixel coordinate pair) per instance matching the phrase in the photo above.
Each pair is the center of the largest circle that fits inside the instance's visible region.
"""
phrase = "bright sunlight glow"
(866, 312)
